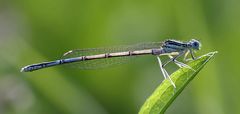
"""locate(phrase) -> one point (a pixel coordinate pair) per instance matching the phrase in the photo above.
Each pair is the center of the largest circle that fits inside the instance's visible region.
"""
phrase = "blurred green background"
(33, 31)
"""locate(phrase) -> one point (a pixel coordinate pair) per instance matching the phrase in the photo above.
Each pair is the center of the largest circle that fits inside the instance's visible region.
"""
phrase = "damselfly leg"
(191, 54)
(165, 74)
(180, 64)
(185, 56)
(174, 60)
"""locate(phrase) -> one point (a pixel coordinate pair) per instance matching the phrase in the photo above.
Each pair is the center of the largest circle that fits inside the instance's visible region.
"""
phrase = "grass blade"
(165, 93)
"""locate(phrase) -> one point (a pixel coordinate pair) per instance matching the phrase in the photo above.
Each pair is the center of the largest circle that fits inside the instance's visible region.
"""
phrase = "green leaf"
(165, 93)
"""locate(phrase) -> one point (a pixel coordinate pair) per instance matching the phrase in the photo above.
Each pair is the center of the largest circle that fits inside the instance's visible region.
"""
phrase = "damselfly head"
(195, 44)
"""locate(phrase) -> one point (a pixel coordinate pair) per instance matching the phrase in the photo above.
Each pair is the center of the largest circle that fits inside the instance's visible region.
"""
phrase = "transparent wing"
(106, 62)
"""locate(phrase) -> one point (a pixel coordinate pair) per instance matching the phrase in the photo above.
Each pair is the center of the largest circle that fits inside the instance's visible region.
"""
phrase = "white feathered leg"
(180, 64)
(165, 74)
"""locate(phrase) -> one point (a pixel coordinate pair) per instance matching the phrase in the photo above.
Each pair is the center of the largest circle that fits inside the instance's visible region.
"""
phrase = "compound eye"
(195, 44)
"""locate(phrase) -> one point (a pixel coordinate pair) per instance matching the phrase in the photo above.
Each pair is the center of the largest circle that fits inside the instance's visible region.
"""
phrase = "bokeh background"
(33, 31)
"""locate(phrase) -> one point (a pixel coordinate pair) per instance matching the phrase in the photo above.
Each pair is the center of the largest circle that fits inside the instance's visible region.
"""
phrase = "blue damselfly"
(101, 57)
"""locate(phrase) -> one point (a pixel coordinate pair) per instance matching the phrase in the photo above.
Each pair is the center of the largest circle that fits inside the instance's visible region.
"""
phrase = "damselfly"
(102, 57)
